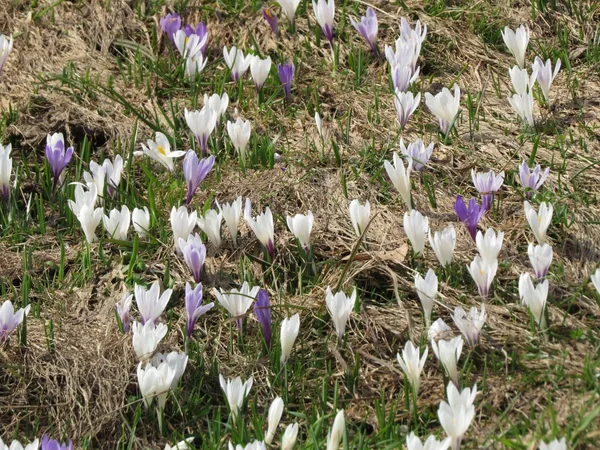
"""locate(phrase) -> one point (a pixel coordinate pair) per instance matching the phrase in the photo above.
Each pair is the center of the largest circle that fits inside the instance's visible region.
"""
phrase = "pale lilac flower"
(151, 303)
(194, 306)
(418, 152)
(545, 75)
(487, 183)
(368, 27)
(406, 104)
(9, 321)
(194, 254)
(170, 24)
(195, 171)
(57, 156)
(123, 308)
(403, 77)
(532, 181)
(470, 325)
(324, 12)
(286, 75)
(540, 257)
(51, 444)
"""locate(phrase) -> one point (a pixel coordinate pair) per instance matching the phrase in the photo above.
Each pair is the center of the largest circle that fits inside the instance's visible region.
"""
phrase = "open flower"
(483, 273)
(194, 254)
(540, 257)
(406, 104)
(359, 216)
(489, 245)
(487, 184)
(117, 223)
(516, 42)
(367, 27)
(470, 325)
(545, 75)
(211, 225)
(412, 363)
(182, 224)
(262, 310)
(448, 353)
(262, 227)
(235, 392)
(5, 171)
(237, 302)
(57, 156)
(469, 215)
(416, 227)
(146, 338)
(195, 171)
(155, 382)
(427, 290)
(445, 106)
(400, 176)
(149, 302)
(418, 152)
(202, 123)
(324, 12)
(289, 332)
(340, 307)
(160, 151)
(539, 221)
(231, 214)
(443, 244)
(301, 226)
(532, 181)
(9, 321)
(189, 46)
(236, 61)
(194, 307)
(534, 297)
(457, 414)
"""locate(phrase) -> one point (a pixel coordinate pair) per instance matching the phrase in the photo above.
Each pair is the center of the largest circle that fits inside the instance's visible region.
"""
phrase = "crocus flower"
(189, 46)
(545, 76)
(237, 302)
(470, 325)
(523, 106)
(195, 171)
(534, 297)
(194, 254)
(114, 172)
(522, 82)
(340, 307)
(359, 216)
(289, 436)
(141, 221)
(9, 321)
(170, 24)
(149, 302)
(289, 8)
(239, 133)
(117, 223)
(439, 330)
(202, 123)
(96, 177)
(90, 218)
(51, 444)
(201, 31)
(259, 69)
(457, 414)
(155, 382)
(554, 445)
(418, 153)
(218, 104)
(211, 225)
(82, 197)
(182, 224)
(57, 156)
(414, 443)
(416, 227)
(319, 124)
(194, 306)
(532, 181)
(194, 65)
(271, 20)
(231, 213)
(445, 106)
(5, 171)
(336, 433)
(235, 392)
(406, 104)
(489, 244)
(6, 45)
(254, 445)
(403, 77)
(412, 363)
(368, 27)
(483, 273)
(443, 244)
(147, 337)
(400, 176)
(418, 33)
(273, 418)
(324, 12)
(290, 326)
(427, 290)
(123, 308)
(16, 445)
(540, 257)
(182, 445)
(487, 183)
(160, 151)
(176, 360)
(262, 310)
(301, 226)
(516, 42)
(448, 353)
(404, 54)
(286, 75)
(236, 61)
(262, 227)
(539, 221)
(469, 215)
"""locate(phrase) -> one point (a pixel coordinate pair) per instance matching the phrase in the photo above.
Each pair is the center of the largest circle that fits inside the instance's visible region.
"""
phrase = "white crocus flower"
(489, 245)
(289, 436)
(406, 104)
(412, 363)
(83, 197)
(325, 13)
(155, 382)
(427, 290)
(149, 301)
(516, 42)
(182, 224)
(359, 216)
(189, 47)
(195, 64)
(540, 257)
(443, 244)
(414, 443)
(146, 338)
(289, 8)
(400, 176)
(141, 221)
(418, 152)
(5, 170)
(273, 418)
(186, 444)
(218, 104)
(96, 176)
(556, 444)
(90, 218)
(231, 213)
(522, 82)
(160, 151)
(416, 227)
(483, 273)
(448, 353)
(340, 307)
(545, 75)
(336, 433)
(202, 123)
(114, 172)
(237, 302)
(262, 227)
(239, 133)
(470, 325)
(6, 45)
(439, 330)
(457, 414)
(236, 61)
(259, 69)
(117, 223)
(176, 360)
(211, 225)
(539, 221)
(301, 226)
(595, 278)
(445, 106)
(235, 392)
(534, 297)
(289, 332)
(523, 106)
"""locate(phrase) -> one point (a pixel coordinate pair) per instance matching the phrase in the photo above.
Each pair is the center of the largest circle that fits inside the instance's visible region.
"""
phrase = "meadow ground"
(102, 72)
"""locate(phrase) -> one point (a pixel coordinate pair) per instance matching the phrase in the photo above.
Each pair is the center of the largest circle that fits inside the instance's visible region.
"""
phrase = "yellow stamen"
(162, 151)
(268, 13)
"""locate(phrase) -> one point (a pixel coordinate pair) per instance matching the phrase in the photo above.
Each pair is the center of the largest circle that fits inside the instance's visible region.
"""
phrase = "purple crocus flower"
(56, 155)
(194, 307)
(9, 321)
(271, 20)
(532, 181)
(199, 31)
(195, 171)
(368, 28)
(194, 254)
(286, 75)
(170, 24)
(262, 309)
(470, 215)
(51, 444)
(487, 183)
